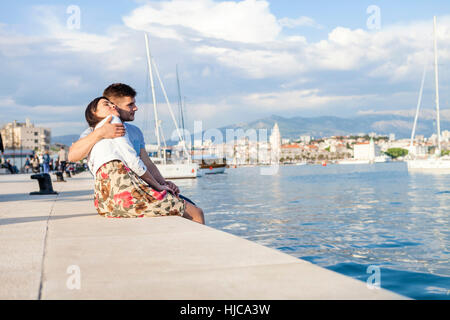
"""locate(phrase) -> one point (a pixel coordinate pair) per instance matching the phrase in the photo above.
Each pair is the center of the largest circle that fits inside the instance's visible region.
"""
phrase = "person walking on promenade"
(27, 165)
(62, 158)
(2, 148)
(122, 97)
(46, 162)
(35, 164)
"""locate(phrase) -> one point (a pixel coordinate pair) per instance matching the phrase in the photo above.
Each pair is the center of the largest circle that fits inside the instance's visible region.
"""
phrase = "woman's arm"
(81, 148)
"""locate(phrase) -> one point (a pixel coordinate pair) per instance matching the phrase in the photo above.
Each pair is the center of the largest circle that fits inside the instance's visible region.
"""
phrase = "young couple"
(127, 182)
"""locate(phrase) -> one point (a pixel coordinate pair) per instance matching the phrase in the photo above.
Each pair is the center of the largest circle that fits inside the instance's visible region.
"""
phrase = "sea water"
(347, 218)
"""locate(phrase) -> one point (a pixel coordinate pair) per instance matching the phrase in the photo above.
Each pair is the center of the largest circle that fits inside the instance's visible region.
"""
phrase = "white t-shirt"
(119, 148)
(134, 134)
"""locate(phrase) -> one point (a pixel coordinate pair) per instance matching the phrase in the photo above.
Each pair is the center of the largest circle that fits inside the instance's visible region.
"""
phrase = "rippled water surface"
(342, 217)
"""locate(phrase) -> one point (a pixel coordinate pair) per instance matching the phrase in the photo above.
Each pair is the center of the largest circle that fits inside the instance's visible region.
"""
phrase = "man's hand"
(112, 130)
(173, 187)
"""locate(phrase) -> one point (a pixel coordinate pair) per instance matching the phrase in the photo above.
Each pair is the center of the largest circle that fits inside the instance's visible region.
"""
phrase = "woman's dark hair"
(91, 118)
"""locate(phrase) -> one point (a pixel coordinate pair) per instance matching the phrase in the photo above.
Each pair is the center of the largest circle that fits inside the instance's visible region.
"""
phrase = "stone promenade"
(57, 247)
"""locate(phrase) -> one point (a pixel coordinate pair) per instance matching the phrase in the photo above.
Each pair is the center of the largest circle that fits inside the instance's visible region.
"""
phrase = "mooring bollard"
(45, 184)
(59, 176)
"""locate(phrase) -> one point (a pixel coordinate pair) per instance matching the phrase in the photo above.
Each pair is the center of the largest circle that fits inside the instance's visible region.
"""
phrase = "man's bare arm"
(147, 177)
(151, 167)
(81, 148)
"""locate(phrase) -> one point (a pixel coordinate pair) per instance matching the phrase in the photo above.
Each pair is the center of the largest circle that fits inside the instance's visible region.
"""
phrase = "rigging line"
(419, 102)
(170, 109)
(180, 110)
(147, 103)
(180, 104)
(149, 61)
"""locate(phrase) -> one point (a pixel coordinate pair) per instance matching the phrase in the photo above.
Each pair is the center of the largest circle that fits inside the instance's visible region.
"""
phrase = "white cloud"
(247, 21)
(299, 22)
(300, 99)
(255, 63)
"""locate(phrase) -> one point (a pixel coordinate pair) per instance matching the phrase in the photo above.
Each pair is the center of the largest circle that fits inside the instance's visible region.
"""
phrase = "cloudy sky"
(238, 60)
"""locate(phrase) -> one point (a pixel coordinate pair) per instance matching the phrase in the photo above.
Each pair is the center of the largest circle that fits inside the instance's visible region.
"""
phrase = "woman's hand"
(112, 130)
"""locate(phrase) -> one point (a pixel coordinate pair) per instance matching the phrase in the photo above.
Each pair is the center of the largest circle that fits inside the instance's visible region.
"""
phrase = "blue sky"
(238, 60)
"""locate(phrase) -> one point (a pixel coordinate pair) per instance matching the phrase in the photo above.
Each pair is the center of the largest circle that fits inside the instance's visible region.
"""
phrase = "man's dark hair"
(119, 90)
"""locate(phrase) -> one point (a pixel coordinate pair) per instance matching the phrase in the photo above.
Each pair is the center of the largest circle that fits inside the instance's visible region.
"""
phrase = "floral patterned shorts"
(120, 193)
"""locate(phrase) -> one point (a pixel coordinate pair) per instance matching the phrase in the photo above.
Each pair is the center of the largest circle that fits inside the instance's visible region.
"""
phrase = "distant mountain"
(67, 139)
(383, 124)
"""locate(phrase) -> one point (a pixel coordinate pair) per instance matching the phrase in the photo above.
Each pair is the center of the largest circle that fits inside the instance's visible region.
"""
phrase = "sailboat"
(436, 163)
(184, 168)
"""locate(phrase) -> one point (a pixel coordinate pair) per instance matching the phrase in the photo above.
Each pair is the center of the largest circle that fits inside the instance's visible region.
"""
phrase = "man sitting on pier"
(123, 96)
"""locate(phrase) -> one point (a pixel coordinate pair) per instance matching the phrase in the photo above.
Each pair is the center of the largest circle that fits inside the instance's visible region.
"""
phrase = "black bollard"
(45, 184)
(59, 176)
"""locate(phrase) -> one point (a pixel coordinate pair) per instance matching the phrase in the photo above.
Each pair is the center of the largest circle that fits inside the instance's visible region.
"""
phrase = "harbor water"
(352, 219)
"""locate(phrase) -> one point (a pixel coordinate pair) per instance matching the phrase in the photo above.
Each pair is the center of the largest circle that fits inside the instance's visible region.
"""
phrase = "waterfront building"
(366, 151)
(17, 135)
(418, 150)
(445, 136)
(291, 152)
(305, 139)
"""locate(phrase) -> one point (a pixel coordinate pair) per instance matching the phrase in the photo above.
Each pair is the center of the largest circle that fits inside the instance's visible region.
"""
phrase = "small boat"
(212, 165)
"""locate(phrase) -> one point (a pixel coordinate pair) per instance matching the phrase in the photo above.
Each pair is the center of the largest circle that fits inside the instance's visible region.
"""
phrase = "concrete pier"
(57, 247)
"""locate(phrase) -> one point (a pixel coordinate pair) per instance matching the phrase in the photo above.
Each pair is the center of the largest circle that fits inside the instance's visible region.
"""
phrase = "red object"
(124, 198)
(210, 168)
(193, 170)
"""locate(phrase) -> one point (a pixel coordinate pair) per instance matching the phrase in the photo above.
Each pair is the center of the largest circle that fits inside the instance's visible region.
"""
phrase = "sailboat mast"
(153, 94)
(171, 112)
(419, 102)
(180, 103)
(438, 120)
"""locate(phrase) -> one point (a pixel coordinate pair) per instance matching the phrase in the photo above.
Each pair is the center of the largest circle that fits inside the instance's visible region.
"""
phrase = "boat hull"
(354, 162)
(437, 166)
(217, 170)
(178, 171)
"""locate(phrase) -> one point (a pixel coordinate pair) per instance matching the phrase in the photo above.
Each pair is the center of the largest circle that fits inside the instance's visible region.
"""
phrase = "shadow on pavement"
(8, 221)
(61, 196)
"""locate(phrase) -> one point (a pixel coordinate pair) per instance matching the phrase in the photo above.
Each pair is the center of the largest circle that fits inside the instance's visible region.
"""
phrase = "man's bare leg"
(194, 213)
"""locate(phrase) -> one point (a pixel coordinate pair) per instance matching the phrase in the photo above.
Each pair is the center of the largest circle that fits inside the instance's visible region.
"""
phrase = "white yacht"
(176, 170)
(436, 163)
